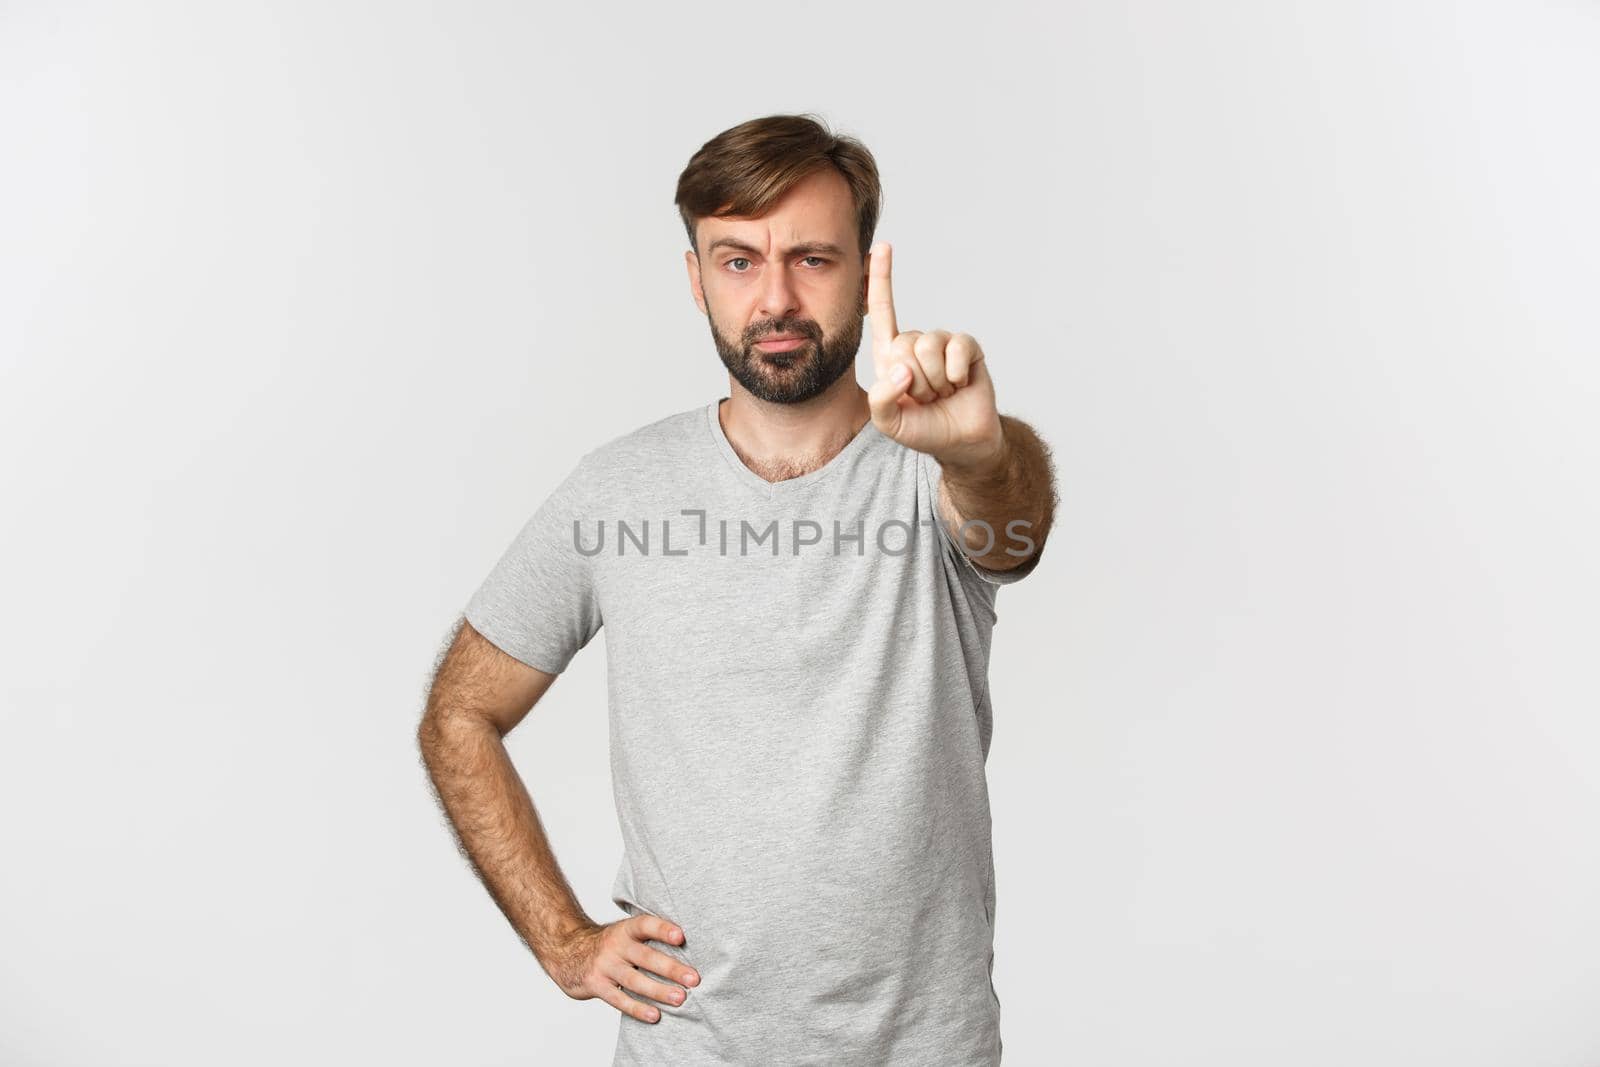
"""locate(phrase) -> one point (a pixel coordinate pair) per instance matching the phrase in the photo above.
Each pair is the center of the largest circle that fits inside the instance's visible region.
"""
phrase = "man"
(797, 583)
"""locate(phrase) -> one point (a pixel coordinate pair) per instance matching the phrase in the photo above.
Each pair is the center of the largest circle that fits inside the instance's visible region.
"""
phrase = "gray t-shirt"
(799, 721)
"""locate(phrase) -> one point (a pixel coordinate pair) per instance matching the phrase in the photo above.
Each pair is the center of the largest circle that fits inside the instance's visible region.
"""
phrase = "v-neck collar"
(856, 444)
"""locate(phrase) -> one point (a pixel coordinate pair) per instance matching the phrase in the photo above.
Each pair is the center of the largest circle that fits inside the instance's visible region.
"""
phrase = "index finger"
(880, 298)
(655, 928)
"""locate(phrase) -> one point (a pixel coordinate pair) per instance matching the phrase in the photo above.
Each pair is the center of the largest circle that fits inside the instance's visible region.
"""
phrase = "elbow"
(448, 725)
(440, 727)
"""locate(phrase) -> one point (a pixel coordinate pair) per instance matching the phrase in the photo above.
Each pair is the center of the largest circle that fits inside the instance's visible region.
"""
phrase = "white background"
(305, 307)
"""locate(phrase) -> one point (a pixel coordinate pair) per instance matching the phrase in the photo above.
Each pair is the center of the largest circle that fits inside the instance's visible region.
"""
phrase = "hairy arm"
(479, 694)
(1018, 484)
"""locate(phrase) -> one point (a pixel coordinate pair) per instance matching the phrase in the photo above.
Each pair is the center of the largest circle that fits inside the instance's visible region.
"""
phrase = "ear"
(866, 274)
(692, 262)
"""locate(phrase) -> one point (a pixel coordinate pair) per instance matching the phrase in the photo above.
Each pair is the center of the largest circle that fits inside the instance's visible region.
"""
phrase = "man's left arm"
(933, 394)
(1002, 507)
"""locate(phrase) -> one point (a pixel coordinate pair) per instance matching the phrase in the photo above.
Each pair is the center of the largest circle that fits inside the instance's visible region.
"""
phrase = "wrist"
(979, 463)
(553, 936)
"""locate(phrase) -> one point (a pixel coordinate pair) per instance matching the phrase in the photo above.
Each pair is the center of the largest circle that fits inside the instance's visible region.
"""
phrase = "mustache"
(807, 330)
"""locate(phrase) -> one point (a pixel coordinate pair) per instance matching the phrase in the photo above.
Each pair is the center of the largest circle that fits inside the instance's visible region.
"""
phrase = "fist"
(932, 391)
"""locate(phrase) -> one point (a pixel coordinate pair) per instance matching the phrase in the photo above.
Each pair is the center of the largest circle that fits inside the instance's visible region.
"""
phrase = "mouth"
(785, 343)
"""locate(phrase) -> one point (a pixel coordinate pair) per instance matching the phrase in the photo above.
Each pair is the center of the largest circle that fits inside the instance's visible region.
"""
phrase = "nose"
(778, 298)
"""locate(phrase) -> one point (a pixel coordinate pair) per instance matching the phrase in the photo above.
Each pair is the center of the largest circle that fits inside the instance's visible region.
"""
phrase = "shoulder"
(644, 452)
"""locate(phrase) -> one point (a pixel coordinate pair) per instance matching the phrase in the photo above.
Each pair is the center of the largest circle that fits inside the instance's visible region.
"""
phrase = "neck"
(782, 441)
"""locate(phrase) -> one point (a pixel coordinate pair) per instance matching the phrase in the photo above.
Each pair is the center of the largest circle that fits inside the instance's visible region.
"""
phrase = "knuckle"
(635, 1007)
(661, 963)
(620, 1000)
(658, 990)
(601, 972)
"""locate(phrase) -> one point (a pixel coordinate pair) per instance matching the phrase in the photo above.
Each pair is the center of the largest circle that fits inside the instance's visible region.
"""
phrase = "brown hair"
(746, 169)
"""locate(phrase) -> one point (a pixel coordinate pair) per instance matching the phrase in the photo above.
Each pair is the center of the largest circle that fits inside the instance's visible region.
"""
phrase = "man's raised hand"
(933, 392)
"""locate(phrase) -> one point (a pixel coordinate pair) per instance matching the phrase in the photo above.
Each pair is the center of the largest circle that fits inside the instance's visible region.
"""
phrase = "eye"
(737, 259)
(819, 259)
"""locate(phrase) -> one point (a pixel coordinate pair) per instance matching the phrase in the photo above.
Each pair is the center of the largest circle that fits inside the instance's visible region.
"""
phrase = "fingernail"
(690, 978)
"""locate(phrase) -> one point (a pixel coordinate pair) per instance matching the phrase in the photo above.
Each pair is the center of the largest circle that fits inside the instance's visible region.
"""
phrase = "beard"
(796, 375)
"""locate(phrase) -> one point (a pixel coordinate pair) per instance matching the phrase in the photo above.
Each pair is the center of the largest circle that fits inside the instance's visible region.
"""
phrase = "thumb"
(884, 396)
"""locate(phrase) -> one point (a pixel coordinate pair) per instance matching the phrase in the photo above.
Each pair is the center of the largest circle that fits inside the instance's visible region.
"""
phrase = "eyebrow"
(805, 247)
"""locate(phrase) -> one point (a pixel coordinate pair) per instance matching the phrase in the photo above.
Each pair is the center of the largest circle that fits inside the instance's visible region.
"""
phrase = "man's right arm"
(479, 694)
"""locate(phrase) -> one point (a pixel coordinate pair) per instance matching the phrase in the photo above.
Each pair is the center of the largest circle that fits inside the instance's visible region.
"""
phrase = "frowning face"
(785, 293)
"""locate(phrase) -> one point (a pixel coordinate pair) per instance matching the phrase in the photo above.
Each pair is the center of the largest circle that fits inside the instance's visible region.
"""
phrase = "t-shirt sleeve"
(1017, 538)
(538, 603)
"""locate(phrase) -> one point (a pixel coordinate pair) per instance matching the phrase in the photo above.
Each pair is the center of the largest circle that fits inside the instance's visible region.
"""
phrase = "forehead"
(818, 208)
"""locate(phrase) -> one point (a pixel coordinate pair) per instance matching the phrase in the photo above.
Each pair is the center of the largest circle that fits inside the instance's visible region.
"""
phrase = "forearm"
(1017, 486)
(498, 829)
